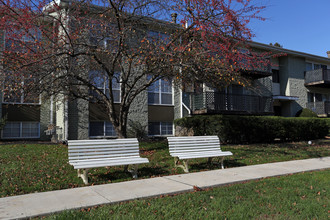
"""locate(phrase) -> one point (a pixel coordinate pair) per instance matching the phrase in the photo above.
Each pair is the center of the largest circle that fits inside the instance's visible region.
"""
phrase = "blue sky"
(301, 25)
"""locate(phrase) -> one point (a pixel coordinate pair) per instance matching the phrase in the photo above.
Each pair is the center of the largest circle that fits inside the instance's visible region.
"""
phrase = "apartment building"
(295, 80)
(61, 118)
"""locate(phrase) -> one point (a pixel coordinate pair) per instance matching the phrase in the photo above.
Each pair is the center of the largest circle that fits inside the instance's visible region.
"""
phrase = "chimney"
(174, 15)
(328, 52)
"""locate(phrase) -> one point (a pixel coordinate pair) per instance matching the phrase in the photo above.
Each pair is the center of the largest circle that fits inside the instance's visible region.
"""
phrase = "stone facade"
(262, 86)
(78, 119)
(292, 83)
(60, 117)
(44, 119)
(138, 114)
(2, 41)
(177, 96)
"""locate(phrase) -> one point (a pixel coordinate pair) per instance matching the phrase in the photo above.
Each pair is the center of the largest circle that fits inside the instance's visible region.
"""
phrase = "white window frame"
(157, 36)
(160, 94)
(104, 130)
(313, 64)
(105, 86)
(21, 102)
(102, 38)
(160, 129)
(325, 97)
(21, 130)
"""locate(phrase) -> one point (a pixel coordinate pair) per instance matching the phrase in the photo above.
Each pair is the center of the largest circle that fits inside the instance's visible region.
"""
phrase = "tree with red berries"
(110, 51)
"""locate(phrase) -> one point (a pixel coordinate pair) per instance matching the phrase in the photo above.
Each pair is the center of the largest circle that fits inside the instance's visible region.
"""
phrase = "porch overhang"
(285, 98)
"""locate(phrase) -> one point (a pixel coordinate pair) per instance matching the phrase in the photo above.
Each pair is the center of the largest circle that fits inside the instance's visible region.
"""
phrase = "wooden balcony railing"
(320, 108)
(217, 102)
(317, 77)
(258, 72)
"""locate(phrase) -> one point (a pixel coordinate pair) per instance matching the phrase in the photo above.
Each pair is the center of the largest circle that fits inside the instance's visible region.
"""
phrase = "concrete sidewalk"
(36, 204)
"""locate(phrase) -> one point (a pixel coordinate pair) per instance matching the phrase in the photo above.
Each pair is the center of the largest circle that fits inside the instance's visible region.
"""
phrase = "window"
(100, 80)
(160, 128)
(157, 37)
(20, 92)
(103, 35)
(276, 76)
(316, 97)
(309, 66)
(101, 129)
(19, 40)
(107, 43)
(314, 66)
(160, 92)
(21, 130)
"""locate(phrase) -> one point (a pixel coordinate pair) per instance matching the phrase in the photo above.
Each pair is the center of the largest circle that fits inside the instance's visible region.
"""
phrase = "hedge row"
(256, 129)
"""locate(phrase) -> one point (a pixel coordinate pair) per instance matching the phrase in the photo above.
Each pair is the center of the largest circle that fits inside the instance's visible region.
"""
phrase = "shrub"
(305, 112)
(137, 130)
(327, 120)
(256, 129)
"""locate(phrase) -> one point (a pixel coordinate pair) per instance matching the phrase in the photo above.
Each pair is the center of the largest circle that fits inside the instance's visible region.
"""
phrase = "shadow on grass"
(214, 165)
(152, 171)
(233, 163)
(112, 176)
(122, 174)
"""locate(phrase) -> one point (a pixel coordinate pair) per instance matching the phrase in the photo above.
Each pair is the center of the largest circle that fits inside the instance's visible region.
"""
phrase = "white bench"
(86, 154)
(189, 147)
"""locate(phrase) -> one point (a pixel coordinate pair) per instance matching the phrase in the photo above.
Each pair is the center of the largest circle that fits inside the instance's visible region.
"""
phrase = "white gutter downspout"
(182, 104)
(51, 110)
(186, 107)
(66, 120)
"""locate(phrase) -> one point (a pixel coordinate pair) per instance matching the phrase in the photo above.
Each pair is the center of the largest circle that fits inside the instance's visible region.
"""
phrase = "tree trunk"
(121, 127)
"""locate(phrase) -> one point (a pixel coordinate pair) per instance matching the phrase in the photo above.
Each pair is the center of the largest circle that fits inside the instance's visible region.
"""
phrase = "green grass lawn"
(298, 196)
(28, 168)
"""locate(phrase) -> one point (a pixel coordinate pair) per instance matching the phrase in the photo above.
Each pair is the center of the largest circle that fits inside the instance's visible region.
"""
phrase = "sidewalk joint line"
(166, 177)
(100, 195)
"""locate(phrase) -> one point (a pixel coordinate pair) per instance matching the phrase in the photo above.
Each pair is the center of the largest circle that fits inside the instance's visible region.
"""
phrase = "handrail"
(224, 102)
(317, 75)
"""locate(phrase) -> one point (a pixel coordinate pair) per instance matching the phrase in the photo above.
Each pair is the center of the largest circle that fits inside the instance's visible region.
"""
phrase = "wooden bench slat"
(110, 159)
(107, 163)
(100, 156)
(194, 146)
(96, 143)
(192, 137)
(86, 146)
(195, 150)
(104, 149)
(227, 153)
(189, 141)
(195, 143)
(124, 140)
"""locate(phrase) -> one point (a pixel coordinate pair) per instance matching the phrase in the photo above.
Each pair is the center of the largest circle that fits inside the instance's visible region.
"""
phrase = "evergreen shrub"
(305, 112)
(256, 129)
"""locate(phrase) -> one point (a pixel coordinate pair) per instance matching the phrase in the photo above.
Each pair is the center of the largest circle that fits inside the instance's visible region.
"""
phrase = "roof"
(290, 52)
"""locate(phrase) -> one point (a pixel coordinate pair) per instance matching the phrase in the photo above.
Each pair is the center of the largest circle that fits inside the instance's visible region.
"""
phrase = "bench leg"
(222, 167)
(133, 171)
(83, 175)
(184, 166)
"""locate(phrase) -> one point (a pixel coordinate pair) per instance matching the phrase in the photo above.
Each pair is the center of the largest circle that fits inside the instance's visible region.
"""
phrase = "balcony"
(318, 78)
(322, 109)
(259, 72)
(222, 103)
